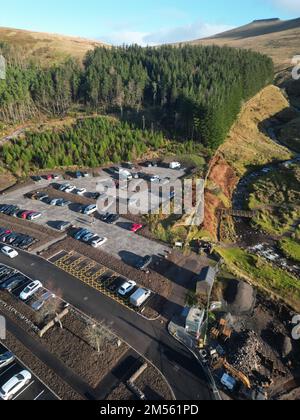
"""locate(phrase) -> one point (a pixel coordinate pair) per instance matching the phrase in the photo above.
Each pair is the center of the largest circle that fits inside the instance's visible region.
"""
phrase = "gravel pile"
(245, 356)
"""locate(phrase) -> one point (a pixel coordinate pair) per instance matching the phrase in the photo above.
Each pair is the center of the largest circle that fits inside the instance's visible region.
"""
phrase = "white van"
(175, 165)
(140, 297)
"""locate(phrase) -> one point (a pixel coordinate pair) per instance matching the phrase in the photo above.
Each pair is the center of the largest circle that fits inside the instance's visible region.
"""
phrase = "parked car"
(81, 233)
(90, 209)
(70, 189)
(54, 201)
(37, 178)
(38, 304)
(63, 226)
(140, 297)
(34, 216)
(63, 203)
(15, 384)
(6, 359)
(30, 290)
(144, 263)
(9, 252)
(112, 218)
(175, 165)
(78, 175)
(95, 196)
(136, 227)
(88, 237)
(86, 175)
(80, 191)
(6, 273)
(97, 242)
(63, 187)
(126, 288)
(155, 179)
(13, 282)
(11, 238)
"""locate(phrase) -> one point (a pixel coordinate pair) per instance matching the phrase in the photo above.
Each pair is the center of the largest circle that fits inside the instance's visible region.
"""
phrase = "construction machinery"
(235, 373)
(222, 332)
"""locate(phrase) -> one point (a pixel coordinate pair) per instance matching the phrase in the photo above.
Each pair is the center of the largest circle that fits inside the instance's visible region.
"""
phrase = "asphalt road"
(34, 391)
(150, 339)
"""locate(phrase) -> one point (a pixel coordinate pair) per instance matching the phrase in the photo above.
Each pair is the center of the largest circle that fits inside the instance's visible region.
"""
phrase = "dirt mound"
(239, 297)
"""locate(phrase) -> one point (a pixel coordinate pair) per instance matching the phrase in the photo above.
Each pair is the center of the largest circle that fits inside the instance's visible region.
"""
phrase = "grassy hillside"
(47, 47)
(276, 38)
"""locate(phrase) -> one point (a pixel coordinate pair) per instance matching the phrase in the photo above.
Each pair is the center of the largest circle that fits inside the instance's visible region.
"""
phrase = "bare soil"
(55, 383)
(70, 345)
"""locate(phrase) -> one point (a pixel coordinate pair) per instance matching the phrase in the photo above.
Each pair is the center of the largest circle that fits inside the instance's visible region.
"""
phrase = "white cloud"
(290, 5)
(190, 32)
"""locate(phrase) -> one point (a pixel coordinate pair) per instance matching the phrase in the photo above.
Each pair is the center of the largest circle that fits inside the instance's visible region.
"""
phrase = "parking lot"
(33, 391)
(98, 277)
(120, 239)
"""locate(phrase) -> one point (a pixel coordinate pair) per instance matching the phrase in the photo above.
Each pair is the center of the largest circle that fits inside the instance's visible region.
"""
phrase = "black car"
(112, 218)
(13, 282)
(63, 226)
(5, 274)
(37, 178)
(26, 242)
(13, 211)
(11, 238)
(95, 196)
(144, 263)
(4, 236)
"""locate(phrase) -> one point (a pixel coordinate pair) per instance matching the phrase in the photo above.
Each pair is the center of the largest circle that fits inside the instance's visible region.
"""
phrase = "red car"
(136, 227)
(25, 214)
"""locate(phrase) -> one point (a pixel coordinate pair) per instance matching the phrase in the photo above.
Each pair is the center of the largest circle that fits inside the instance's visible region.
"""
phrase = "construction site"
(247, 344)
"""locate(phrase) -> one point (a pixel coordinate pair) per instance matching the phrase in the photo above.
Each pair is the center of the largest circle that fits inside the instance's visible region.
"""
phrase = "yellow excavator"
(235, 373)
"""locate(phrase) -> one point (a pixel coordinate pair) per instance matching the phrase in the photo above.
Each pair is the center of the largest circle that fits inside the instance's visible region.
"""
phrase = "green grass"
(277, 196)
(291, 248)
(263, 275)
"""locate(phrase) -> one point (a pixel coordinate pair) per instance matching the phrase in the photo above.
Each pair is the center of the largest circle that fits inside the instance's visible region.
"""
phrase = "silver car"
(6, 359)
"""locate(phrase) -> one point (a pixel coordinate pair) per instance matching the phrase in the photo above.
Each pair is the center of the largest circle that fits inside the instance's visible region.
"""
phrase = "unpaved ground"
(151, 383)
(71, 345)
(261, 345)
(62, 389)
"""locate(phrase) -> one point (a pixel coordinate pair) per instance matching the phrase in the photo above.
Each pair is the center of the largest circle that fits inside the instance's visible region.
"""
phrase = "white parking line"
(39, 395)
(22, 392)
(10, 367)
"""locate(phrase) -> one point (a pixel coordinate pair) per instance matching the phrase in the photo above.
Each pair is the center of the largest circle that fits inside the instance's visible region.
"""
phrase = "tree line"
(194, 92)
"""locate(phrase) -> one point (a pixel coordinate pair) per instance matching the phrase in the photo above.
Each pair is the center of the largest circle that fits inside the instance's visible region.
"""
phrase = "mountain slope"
(45, 46)
(277, 38)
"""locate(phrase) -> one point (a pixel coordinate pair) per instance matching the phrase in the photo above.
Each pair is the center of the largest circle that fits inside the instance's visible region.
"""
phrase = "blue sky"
(141, 21)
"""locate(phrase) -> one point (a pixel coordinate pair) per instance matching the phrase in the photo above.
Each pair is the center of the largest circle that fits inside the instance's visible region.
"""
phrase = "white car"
(97, 242)
(14, 385)
(80, 191)
(155, 179)
(30, 290)
(9, 252)
(90, 210)
(127, 288)
(54, 201)
(70, 189)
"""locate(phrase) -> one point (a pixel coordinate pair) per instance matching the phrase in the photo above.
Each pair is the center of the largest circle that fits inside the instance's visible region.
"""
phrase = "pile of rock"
(246, 357)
